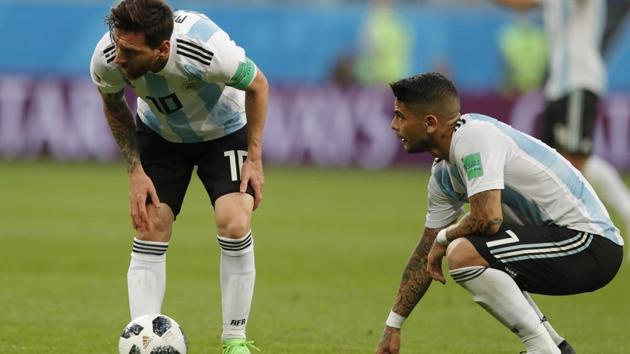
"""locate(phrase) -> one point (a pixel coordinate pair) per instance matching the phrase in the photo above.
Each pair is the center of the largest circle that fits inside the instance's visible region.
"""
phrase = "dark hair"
(154, 18)
(424, 89)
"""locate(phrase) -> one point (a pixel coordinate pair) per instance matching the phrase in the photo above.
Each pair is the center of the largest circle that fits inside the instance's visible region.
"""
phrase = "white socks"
(146, 278)
(238, 273)
(498, 294)
(552, 332)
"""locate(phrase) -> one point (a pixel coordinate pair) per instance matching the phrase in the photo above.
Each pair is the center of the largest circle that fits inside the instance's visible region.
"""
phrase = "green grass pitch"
(330, 249)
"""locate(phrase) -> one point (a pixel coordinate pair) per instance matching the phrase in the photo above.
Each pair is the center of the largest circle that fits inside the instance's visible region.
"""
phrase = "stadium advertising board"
(322, 126)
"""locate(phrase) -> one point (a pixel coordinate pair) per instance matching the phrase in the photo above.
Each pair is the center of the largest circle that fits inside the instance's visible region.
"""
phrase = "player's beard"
(135, 73)
(418, 146)
(139, 70)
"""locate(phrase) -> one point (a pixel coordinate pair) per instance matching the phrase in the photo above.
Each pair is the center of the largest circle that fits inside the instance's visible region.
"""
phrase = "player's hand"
(140, 188)
(390, 341)
(252, 174)
(434, 262)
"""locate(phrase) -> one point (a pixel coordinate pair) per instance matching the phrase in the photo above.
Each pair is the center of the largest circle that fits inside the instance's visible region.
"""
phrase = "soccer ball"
(153, 334)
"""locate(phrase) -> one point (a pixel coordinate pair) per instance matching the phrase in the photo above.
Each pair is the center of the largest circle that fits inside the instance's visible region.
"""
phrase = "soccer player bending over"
(535, 224)
(201, 102)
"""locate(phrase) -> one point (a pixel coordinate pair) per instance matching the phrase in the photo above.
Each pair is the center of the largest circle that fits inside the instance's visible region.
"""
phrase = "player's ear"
(431, 123)
(165, 47)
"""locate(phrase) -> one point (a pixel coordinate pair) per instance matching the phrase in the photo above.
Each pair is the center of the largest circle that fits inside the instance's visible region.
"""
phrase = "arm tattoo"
(470, 224)
(415, 280)
(121, 123)
(487, 216)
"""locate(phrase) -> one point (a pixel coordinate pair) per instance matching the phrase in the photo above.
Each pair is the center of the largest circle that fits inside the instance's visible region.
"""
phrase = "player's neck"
(160, 63)
(442, 148)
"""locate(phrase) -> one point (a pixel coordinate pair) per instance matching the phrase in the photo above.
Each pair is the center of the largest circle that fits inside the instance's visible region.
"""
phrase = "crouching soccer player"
(535, 225)
(201, 102)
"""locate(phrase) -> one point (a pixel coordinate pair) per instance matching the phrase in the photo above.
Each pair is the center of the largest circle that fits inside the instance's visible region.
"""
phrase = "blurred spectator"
(616, 16)
(385, 45)
(577, 80)
(524, 49)
(343, 72)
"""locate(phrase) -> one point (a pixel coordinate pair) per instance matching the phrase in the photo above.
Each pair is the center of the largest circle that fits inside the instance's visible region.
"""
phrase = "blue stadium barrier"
(292, 44)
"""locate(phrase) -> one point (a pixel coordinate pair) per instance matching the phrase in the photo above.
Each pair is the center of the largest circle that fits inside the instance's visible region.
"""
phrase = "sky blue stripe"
(550, 255)
(444, 181)
(537, 245)
(229, 119)
(203, 29)
(209, 94)
(153, 122)
(178, 121)
(562, 169)
(527, 209)
(455, 174)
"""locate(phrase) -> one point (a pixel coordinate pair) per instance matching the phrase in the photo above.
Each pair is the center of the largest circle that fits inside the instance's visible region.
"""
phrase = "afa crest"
(189, 84)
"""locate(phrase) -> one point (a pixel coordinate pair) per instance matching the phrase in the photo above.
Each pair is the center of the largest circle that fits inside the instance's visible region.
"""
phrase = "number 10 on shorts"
(232, 155)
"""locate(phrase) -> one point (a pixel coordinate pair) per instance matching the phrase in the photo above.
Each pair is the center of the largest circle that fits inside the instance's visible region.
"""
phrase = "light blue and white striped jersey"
(574, 30)
(197, 96)
(538, 186)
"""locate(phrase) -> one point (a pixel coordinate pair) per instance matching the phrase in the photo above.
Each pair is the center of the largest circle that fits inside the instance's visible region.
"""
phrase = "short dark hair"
(154, 18)
(423, 89)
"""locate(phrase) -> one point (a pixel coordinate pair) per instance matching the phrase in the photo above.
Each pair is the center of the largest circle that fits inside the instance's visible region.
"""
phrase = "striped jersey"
(574, 31)
(538, 186)
(198, 95)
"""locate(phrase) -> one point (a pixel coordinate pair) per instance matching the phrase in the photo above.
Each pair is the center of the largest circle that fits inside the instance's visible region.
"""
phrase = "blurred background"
(332, 237)
(330, 105)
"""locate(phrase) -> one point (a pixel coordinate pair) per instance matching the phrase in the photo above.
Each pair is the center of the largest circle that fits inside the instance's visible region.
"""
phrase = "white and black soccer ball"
(153, 334)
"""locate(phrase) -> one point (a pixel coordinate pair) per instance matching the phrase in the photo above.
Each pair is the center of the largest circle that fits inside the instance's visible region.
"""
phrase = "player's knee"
(233, 227)
(160, 225)
(461, 253)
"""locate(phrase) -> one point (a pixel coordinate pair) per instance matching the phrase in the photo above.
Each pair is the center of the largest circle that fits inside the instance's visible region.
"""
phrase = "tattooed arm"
(414, 284)
(415, 280)
(121, 123)
(141, 188)
(485, 216)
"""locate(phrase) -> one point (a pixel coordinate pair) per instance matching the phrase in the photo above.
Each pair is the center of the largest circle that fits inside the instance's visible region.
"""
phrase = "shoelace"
(247, 343)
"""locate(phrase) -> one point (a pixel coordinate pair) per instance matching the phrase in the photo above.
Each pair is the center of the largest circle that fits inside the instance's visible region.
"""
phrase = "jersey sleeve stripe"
(192, 51)
(193, 57)
(195, 46)
(109, 48)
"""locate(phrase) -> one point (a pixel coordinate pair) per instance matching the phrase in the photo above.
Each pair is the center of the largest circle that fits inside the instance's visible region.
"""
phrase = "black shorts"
(170, 165)
(551, 260)
(569, 122)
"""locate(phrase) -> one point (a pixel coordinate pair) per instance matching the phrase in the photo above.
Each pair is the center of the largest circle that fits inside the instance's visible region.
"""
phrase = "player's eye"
(128, 52)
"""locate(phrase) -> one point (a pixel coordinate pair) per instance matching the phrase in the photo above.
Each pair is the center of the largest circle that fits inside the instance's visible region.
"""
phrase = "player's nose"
(120, 60)
(393, 124)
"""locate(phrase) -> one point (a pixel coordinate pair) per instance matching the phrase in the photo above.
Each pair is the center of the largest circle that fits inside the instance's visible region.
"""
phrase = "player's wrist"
(441, 237)
(135, 170)
(395, 320)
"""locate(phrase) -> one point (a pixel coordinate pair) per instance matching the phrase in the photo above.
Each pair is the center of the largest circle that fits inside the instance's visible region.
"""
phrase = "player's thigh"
(569, 122)
(551, 260)
(220, 162)
(167, 164)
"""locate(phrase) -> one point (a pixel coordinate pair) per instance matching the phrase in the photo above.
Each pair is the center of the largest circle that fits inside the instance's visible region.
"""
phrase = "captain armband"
(244, 76)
